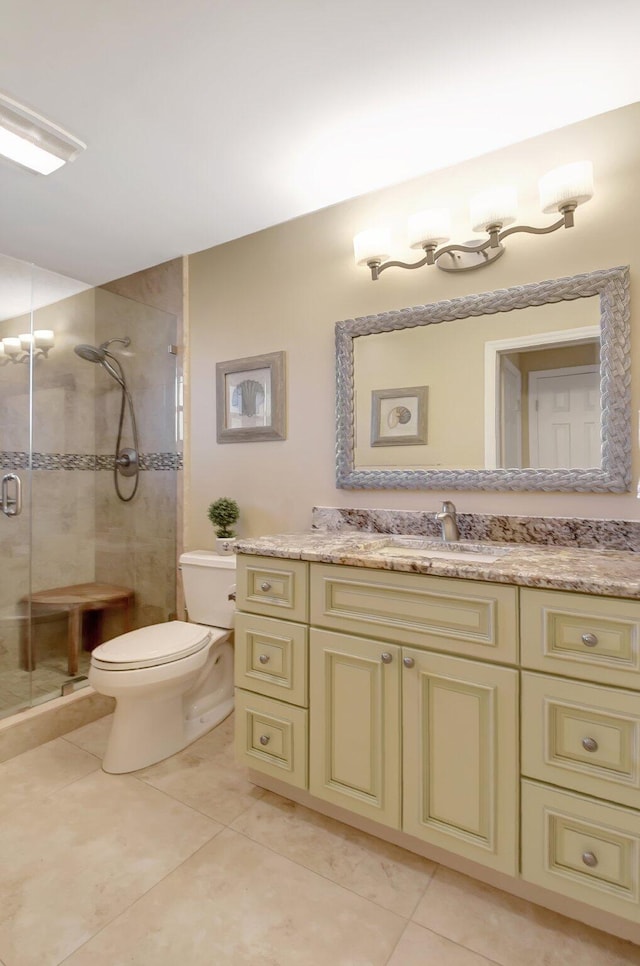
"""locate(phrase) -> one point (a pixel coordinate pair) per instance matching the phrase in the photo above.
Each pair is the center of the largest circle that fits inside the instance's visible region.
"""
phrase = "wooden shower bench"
(79, 599)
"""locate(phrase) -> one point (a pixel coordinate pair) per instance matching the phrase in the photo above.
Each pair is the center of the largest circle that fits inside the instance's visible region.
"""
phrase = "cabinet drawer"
(470, 618)
(271, 657)
(594, 638)
(582, 736)
(581, 848)
(272, 586)
(272, 737)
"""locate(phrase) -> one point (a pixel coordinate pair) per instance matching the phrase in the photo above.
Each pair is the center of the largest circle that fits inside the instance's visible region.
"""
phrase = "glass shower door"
(16, 283)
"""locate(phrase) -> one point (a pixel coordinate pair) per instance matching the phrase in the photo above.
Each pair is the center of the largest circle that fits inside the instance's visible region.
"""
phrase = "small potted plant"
(223, 513)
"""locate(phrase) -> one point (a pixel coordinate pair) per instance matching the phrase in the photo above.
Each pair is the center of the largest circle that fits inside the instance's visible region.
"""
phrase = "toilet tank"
(208, 579)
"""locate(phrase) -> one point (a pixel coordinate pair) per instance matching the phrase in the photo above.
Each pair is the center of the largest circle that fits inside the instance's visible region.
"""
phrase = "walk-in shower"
(70, 537)
(126, 459)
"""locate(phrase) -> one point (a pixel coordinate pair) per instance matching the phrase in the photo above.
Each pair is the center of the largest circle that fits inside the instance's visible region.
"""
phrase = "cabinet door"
(354, 751)
(460, 734)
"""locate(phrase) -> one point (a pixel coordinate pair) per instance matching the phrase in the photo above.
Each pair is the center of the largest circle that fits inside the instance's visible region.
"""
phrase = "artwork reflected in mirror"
(528, 389)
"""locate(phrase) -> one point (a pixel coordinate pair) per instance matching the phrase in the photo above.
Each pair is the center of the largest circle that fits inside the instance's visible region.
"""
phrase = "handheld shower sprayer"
(126, 461)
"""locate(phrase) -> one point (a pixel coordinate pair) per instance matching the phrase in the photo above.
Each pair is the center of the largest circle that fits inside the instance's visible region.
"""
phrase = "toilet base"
(133, 746)
(162, 709)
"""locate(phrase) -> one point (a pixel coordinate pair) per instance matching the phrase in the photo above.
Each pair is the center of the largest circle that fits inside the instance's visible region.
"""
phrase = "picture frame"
(399, 416)
(250, 399)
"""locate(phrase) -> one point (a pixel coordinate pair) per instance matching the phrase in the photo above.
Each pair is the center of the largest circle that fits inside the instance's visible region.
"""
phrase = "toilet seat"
(151, 646)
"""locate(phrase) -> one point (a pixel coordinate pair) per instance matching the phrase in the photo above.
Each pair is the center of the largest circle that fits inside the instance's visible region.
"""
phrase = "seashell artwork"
(247, 397)
(398, 415)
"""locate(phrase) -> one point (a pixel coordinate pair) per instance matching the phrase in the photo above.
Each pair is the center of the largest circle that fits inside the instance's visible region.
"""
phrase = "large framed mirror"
(526, 388)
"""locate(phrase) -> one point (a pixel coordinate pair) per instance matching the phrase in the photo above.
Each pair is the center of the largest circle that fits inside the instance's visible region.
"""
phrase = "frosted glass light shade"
(11, 346)
(26, 340)
(497, 206)
(371, 245)
(43, 338)
(429, 227)
(571, 184)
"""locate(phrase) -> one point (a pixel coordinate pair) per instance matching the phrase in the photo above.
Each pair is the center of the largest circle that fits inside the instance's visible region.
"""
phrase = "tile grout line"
(468, 949)
(393, 951)
(320, 875)
(436, 866)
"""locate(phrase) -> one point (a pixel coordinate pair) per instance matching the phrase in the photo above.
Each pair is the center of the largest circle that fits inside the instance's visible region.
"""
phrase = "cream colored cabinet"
(396, 696)
(582, 848)
(460, 767)
(271, 672)
(582, 736)
(355, 741)
(272, 737)
(471, 618)
(581, 748)
(460, 756)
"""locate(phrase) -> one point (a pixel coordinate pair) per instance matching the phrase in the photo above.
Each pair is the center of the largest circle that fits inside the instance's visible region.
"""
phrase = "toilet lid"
(151, 646)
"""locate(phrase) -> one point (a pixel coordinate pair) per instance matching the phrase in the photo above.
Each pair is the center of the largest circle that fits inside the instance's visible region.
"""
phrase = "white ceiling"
(206, 120)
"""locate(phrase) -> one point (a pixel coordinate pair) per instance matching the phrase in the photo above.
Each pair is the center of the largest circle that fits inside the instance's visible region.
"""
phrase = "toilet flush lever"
(11, 503)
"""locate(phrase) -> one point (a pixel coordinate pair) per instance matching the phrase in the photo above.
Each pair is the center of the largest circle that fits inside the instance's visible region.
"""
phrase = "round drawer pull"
(589, 859)
(589, 640)
(408, 661)
(589, 744)
(265, 585)
(264, 658)
(386, 658)
(264, 739)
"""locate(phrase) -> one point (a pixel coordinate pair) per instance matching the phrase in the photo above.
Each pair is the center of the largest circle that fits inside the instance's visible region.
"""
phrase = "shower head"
(90, 352)
(101, 355)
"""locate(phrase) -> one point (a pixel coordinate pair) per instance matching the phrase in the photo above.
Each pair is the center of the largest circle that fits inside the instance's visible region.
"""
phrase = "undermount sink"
(436, 549)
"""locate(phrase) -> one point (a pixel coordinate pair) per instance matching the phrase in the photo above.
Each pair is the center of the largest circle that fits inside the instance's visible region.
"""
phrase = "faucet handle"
(448, 507)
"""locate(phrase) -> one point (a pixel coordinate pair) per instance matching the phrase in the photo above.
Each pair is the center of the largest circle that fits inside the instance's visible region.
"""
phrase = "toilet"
(172, 682)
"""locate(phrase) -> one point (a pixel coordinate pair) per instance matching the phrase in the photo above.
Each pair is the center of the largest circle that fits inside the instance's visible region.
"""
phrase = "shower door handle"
(11, 504)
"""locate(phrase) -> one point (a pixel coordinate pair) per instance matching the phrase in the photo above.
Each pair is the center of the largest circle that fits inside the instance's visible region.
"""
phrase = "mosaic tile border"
(86, 461)
(542, 531)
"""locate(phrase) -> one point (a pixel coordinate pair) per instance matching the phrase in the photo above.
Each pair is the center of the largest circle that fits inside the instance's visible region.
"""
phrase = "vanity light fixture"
(32, 141)
(22, 347)
(561, 190)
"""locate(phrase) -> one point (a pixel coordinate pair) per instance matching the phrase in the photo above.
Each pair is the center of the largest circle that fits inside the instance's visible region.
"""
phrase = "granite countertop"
(613, 573)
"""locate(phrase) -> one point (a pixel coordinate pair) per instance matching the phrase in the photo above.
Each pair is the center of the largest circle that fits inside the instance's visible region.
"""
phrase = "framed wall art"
(250, 399)
(399, 416)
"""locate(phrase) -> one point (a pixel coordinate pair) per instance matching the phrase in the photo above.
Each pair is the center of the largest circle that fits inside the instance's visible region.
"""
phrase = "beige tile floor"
(187, 864)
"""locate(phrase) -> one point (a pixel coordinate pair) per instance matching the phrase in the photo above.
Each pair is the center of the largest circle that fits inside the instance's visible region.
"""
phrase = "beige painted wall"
(284, 288)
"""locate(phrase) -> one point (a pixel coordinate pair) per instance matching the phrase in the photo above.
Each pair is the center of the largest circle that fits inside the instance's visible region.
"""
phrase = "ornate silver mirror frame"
(614, 473)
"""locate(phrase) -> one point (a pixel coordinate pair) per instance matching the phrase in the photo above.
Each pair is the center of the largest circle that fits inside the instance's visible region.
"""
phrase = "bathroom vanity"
(477, 704)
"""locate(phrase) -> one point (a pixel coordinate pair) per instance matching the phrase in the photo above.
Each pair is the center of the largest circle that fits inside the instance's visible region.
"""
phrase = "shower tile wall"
(81, 531)
(136, 542)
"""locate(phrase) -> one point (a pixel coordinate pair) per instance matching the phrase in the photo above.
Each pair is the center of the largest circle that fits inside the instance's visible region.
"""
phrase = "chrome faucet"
(447, 518)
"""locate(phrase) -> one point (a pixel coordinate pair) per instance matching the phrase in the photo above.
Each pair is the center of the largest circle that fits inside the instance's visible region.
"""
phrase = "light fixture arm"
(35, 354)
(482, 253)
